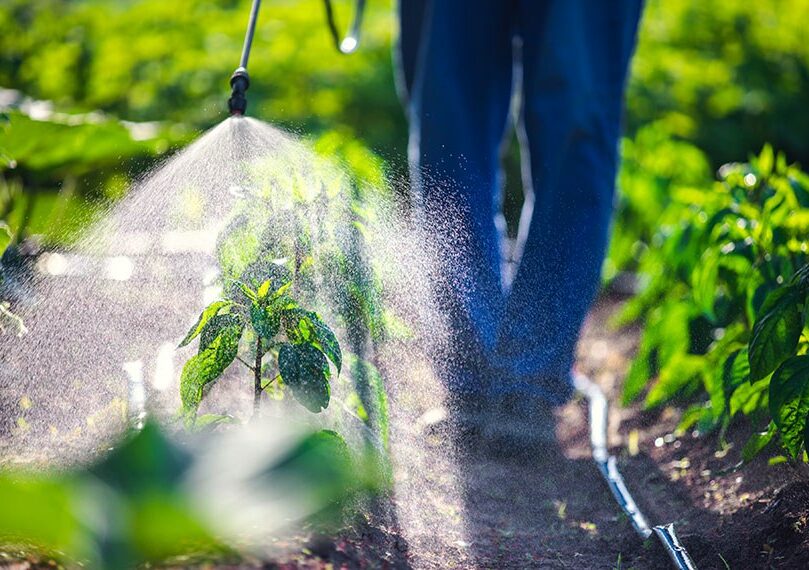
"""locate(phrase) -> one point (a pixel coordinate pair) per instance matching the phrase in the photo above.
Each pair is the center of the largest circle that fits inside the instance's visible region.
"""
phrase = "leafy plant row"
(724, 309)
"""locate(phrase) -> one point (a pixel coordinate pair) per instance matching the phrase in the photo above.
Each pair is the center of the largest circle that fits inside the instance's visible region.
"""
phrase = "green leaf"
(674, 378)
(775, 332)
(265, 321)
(209, 421)
(264, 289)
(735, 370)
(757, 442)
(766, 160)
(639, 373)
(323, 470)
(41, 509)
(305, 370)
(307, 327)
(147, 461)
(207, 314)
(749, 398)
(703, 282)
(248, 292)
(282, 290)
(206, 366)
(789, 401)
(215, 326)
(694, 414)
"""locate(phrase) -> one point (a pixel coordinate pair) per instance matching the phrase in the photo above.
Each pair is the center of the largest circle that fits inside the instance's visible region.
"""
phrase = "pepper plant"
(724, 309)
(287, 344)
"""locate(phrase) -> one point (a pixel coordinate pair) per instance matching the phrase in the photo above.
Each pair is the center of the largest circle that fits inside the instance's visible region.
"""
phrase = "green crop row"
(724, 303)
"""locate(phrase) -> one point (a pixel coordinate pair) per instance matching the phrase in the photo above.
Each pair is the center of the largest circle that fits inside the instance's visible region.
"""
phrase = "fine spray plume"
(105, 317)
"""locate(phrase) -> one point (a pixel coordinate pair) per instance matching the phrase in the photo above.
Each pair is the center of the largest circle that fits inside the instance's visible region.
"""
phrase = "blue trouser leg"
(459, 110)
(575, 57)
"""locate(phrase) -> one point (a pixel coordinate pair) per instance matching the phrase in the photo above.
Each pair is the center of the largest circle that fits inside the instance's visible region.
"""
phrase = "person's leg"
(458, 113)
(575, 59)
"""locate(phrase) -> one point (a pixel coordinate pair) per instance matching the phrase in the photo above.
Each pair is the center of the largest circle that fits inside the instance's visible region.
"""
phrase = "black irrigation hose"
(607, 465)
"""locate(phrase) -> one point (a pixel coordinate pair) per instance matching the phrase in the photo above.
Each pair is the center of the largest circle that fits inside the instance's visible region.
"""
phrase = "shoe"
(520, 424)
(467, 412)
(462, 417)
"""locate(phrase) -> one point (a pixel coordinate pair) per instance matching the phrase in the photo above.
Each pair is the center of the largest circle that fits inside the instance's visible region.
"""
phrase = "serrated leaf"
(305, 370)
(307, 327)
(207, 365)
(207, 314)
(789, 401)
(775, 333)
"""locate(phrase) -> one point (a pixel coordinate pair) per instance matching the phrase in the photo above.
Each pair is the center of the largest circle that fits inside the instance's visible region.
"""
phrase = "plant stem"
(257, 379)
(243, 361)
(276, 377)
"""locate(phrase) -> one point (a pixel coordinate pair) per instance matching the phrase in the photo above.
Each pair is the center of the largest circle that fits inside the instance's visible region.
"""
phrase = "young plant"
(285, 343)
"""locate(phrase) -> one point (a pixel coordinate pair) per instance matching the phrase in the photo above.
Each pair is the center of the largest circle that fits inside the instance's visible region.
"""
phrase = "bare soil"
(554, 511)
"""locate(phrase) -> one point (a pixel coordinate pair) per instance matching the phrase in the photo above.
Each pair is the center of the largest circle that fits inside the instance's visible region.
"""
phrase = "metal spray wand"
(240, 80)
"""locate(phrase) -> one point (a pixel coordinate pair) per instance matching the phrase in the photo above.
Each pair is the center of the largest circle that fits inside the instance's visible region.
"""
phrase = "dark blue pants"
(459, 60)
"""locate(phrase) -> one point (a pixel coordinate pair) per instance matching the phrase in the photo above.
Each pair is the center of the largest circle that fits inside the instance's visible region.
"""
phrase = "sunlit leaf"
(789, 401)
(207, 365)
(305, 370)
(210, 312)
(307, 327)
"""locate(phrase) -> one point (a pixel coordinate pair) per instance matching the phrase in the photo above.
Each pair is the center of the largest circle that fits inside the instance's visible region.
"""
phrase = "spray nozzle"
(239, 82)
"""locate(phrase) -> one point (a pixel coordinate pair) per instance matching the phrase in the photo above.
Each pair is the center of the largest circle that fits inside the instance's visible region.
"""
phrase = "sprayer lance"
(240, 80)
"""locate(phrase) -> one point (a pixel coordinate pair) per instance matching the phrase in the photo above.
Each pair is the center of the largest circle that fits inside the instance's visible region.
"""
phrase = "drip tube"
(608, 467)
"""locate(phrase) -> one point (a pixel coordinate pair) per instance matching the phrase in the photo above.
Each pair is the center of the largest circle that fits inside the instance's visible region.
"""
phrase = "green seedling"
(286, 345)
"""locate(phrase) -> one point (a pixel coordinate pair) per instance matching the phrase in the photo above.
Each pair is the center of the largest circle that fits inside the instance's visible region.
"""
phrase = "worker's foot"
(462, 417)
(520, 425)
(467, 413)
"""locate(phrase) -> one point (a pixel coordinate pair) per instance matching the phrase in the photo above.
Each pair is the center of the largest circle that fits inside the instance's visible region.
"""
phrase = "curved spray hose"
(608, 466)
(240, 80)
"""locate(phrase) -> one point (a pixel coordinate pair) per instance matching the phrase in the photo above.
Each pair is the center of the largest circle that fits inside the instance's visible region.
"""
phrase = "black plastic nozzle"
(239, 82)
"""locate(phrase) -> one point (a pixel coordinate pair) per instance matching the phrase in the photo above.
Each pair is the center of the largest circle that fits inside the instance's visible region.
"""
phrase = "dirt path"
(468, 509)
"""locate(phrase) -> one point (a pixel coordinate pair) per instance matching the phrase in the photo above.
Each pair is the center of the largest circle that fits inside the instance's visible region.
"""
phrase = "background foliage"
(726, 76)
